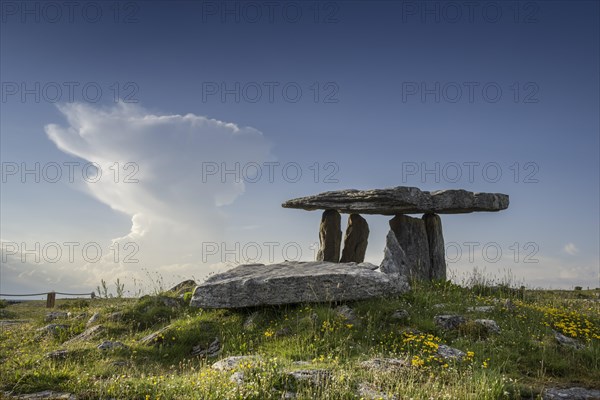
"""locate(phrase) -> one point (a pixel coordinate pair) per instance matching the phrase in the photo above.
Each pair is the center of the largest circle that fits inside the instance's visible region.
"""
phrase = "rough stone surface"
(449, 322)
(182, 287)
(237, 377)
(155, 337)
(170, 301)
(314, 376)
(13, 322)
(115, 316)
(229, 363)
(46, 394)
(250, 322)
(385, 364)
(437, 252)
(481, 309)
(347, 314)
(401, 200)
(51, 316)
(52, 329)
(109, 345)
(86, 335)
(212, 350)
(394, 258)
(574, 393)
(355, 239)
(368, 392)
(93, 319)
(489, 324)
(450, 353)
(400, 315)
(567, 341)
(330, 236)
(412, 237)
(295, 282)
(58, 354)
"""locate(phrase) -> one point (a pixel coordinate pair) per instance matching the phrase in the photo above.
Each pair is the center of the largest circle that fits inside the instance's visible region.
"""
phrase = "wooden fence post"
(50, 300)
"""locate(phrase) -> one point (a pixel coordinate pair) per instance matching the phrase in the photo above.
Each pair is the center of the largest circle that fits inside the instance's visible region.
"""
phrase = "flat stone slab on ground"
(401, 200)
(295, 282)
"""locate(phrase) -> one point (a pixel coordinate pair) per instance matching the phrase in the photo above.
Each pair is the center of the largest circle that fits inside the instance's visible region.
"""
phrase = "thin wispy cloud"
(571, 249)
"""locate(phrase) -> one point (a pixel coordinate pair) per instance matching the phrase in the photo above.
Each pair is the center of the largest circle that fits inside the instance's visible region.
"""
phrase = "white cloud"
(571, 249)
(172, 208)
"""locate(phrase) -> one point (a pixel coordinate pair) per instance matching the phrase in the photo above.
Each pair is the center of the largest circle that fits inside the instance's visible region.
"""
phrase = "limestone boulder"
(293, 282)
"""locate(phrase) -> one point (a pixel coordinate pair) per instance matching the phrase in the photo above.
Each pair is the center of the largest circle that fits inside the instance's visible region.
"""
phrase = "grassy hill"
(383, 348)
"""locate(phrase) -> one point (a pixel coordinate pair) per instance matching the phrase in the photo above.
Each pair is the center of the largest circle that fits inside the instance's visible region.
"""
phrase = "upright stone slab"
(355, 239)
(394, 258)
(412, 237)
(330, 236)
(435, 237)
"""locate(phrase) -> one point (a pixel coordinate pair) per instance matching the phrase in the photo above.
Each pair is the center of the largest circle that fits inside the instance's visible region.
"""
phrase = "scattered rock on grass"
(212, 350)
(449, 322)
(51, 316)
(93, 319)
(52, 329)
(229, 363)
(367, 392)
(155, 337)
(574, 393)
(182, 287)
(400, 315)
(450, 353)
(109, 345)
(116, 316)
(86, 335)
(237, 377)
(57, 354)
(385, 364)
(314, 376)
(46, 394)
(347, 314)
(250, 322)
(489, 324)
(482, 309)
(567, 341)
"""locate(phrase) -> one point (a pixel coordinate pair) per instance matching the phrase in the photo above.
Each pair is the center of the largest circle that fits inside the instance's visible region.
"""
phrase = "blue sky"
(351, 94)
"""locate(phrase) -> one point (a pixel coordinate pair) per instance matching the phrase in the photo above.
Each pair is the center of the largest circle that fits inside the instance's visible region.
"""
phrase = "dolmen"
(414, 250)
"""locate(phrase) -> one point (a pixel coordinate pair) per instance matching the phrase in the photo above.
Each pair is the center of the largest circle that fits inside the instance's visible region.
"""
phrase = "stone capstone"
(401, 200)
(293, 282)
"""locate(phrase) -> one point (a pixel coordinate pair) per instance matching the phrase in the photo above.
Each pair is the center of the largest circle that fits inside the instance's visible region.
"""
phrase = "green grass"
(517, 363)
